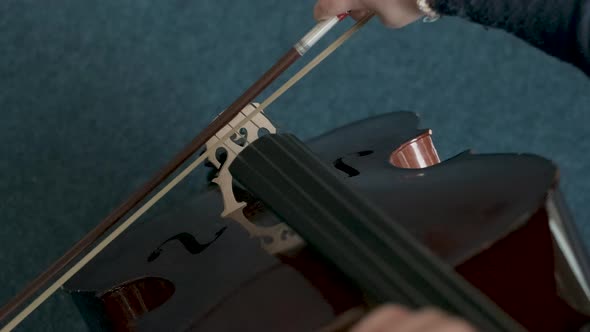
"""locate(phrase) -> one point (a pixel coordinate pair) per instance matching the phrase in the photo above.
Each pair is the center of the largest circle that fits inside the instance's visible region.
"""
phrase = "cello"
(184, 250)
(156, 255)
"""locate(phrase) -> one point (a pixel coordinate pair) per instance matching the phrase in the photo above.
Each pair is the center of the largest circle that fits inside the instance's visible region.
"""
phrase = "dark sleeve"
(561, 28)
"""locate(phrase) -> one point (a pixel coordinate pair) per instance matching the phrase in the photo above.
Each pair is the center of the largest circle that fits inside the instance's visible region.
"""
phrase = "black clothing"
(560, 28)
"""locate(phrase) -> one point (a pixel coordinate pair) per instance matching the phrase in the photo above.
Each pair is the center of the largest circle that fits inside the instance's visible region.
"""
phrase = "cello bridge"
(274, 238)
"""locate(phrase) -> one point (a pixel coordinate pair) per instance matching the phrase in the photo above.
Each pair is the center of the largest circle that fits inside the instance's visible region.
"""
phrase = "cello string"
(17, 319)
(469, 307)
(166, 172)
(458, 293)
(300, 74)
(407, 290)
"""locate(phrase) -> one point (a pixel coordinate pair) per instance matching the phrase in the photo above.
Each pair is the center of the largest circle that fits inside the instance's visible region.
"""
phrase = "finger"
(386, 316)
(396, 14)
(327, 8)
(425, 320)
(359, 13)
(454, 325)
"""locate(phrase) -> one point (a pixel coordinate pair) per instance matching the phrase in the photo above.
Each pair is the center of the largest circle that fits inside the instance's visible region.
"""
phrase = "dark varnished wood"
(232, 285)
(197, 143)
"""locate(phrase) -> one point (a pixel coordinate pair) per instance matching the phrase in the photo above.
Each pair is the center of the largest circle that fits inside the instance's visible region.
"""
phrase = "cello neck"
(366, 245)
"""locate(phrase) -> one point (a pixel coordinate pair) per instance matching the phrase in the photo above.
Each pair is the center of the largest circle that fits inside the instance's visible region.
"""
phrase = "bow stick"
(290, 57)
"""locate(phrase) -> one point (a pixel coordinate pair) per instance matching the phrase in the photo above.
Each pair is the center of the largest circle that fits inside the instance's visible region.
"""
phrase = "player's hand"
(393, 13)
(391, 318)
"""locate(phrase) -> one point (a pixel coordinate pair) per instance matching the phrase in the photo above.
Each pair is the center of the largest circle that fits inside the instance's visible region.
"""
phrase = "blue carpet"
(95, 96)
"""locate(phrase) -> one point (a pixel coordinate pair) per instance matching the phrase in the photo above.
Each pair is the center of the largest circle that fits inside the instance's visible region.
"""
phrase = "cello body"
(498, 220)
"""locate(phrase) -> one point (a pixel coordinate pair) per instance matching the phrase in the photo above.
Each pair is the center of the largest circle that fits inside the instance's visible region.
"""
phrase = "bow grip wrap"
(360, 240)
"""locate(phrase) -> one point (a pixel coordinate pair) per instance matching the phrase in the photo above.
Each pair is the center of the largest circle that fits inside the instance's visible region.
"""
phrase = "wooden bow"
(151, 187)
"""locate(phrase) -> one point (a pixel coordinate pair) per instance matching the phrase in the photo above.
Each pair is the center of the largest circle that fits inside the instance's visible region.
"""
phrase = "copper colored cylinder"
(416, 153)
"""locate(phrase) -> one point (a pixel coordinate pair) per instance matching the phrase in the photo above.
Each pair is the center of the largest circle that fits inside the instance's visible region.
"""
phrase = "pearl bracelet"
(431, 15)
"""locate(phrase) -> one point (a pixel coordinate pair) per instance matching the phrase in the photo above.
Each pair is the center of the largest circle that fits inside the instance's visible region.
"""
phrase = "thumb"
(327, 8)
